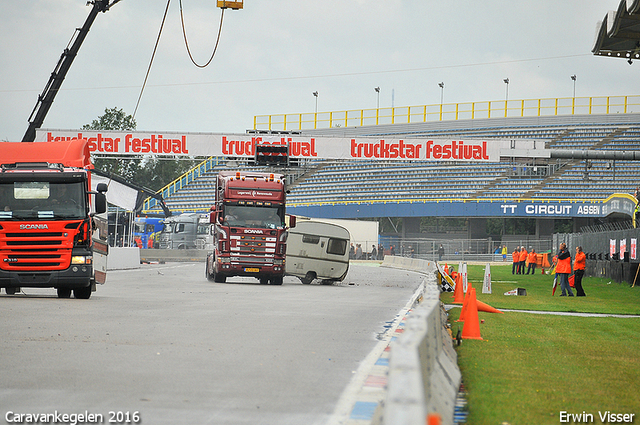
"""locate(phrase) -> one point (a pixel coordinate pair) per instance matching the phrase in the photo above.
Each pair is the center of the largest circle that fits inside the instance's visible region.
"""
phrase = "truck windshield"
(42, 200)
(256, 217)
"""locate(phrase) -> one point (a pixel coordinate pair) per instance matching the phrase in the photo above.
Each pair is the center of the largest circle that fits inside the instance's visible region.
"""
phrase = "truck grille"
(36, 251)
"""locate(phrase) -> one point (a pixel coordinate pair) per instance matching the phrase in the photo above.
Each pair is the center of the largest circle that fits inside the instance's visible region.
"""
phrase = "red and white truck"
(250, 234)
(48, 219)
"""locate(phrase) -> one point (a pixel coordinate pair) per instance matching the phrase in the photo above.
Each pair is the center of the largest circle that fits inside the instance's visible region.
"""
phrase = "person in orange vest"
(515, 255)
(533, 261)
(522, 259)
(579, 264)
(563, 269)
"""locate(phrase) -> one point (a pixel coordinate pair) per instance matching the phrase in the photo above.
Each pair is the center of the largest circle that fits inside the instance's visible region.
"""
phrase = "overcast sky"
(274, 54)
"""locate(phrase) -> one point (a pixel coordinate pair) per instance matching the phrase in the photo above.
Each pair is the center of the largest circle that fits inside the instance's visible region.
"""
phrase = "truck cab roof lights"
(271, 177)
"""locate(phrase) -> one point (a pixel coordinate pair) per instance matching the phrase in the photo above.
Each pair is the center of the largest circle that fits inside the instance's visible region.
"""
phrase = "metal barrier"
(423, 371)
(449, 111)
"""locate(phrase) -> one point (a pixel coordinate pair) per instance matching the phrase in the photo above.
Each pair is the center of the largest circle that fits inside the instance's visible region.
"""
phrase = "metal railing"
(450, 112)
(205, 166)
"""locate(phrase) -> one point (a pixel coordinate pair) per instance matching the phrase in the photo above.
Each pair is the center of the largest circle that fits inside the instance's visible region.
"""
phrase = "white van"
(317, 250)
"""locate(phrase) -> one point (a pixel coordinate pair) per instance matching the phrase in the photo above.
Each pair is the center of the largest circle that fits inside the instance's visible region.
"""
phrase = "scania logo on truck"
(260, 232)
(33, 226)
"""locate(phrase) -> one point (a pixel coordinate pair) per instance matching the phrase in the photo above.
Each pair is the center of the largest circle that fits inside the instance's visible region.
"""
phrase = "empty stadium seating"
(328, 182)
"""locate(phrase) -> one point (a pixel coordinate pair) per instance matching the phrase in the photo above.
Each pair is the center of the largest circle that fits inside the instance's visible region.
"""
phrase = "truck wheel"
(264, 281)
(12, 290)
(207, 272)
(276, 280)
(82, 293)
(64, 293)
(218, 278)
(308, 278)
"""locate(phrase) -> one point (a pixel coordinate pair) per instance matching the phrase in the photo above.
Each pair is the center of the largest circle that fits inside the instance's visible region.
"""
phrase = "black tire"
(308, 278)
(264, 281)
(12, 290)
(82, 293)
(207, 271)
(219, 278)
(64, 293)
(276, 280)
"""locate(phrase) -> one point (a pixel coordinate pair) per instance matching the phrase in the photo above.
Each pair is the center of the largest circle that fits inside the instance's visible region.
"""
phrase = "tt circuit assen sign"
(243, 145)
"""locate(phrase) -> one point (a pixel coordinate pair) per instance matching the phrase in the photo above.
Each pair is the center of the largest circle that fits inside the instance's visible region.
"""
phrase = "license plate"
(252, 270)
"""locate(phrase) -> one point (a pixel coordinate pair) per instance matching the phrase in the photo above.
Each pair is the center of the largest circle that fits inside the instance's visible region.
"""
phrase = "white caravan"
(317, 250)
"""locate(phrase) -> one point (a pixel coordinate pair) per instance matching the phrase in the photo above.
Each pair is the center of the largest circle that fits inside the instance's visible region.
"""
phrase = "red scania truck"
(47, 219)
(250, 235)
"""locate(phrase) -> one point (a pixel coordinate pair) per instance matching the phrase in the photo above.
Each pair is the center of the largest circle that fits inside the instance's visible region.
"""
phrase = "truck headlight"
(81, 259)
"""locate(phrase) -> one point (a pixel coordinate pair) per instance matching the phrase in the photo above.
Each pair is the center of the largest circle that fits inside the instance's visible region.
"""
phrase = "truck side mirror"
(102, 187)
(213, 216)
(100, 202)
(292, 221)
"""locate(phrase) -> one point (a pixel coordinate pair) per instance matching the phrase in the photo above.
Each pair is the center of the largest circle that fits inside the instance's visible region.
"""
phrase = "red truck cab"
(250, 233)
(46, 218)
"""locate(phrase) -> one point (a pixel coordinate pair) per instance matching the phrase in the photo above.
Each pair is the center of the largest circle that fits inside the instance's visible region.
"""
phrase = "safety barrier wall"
(173, 255)
(423, 371)
(123, 258)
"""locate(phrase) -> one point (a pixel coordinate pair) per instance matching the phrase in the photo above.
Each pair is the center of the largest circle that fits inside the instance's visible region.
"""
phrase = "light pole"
(441, 85)
(377, 89)
(574, 78)
(315, 116)
(506, 96)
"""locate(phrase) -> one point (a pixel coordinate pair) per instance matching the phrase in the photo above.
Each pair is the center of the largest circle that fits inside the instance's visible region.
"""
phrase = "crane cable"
(155, 48)
(186, 43)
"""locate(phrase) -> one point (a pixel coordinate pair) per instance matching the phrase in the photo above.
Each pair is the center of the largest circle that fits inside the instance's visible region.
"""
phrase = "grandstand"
(368, 188)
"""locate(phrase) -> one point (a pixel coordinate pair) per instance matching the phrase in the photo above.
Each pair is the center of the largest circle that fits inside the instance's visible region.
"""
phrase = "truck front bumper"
(76, 276)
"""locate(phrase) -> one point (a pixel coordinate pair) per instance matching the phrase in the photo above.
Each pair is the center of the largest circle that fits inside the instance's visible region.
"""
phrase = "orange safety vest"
(564, 266)
(580, 263)
(523, 254)
(533, 258)
(515, 256)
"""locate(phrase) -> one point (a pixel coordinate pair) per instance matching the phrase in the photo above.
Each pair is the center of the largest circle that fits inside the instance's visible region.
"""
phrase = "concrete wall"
(123, 258)
(423, 371)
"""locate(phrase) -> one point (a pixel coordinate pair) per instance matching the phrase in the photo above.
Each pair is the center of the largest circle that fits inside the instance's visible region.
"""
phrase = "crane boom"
(45, 99)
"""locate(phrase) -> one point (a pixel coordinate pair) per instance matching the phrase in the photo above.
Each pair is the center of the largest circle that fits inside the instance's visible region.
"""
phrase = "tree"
(115, 119)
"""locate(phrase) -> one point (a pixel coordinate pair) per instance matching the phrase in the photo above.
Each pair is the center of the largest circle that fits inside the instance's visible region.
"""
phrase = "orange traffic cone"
(434, 419)
(487, 308)
(471, 327)
(458, 293)
(463, 311)
(465, 305)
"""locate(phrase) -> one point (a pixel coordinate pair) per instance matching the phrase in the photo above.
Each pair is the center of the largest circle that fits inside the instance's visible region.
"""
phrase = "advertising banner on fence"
(243, 145)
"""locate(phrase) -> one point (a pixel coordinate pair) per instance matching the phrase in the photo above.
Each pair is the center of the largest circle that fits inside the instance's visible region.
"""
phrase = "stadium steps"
(308, 172)
(574, 163)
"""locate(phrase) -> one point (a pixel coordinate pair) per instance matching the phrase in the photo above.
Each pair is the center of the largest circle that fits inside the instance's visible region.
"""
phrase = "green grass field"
(531, 367)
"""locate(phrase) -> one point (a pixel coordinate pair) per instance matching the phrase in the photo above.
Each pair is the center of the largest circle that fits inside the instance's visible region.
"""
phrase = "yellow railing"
(180, 182)
(450, 112)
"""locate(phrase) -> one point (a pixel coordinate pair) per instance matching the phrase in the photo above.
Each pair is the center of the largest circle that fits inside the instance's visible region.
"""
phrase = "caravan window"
(311, 239)
(337, 246)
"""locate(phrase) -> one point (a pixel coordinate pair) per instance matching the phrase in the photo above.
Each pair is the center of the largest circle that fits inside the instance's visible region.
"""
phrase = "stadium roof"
(618, 34)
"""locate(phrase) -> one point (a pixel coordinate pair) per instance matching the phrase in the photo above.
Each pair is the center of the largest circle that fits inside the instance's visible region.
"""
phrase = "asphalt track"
(166, 343)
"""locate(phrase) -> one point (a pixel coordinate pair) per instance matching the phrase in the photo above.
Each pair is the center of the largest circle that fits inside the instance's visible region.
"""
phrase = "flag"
(555, 284)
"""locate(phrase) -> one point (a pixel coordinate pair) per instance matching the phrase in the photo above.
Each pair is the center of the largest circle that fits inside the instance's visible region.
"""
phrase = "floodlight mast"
(45, 99)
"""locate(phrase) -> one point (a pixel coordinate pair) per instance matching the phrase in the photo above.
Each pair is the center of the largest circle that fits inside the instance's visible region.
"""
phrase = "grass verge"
(531, 367)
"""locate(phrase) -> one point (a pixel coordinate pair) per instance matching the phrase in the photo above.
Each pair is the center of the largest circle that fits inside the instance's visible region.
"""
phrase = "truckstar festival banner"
(243, 145)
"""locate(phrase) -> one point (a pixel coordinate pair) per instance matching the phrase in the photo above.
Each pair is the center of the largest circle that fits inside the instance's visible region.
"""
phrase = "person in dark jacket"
(563, 269)
(579, 264)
